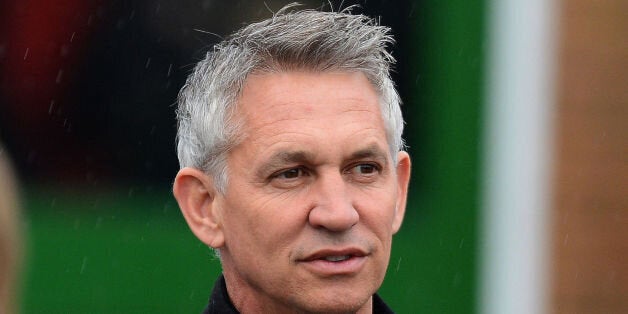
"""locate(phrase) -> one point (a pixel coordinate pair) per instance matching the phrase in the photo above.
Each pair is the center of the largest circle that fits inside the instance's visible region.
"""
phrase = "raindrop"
(132, 15)
(72, 37)
(398, 264)
(52, 104)
(83, 265)
(461, 243)
(26, 53)
(153, 129)
(59, 76)
(147, 63)
(169, 70)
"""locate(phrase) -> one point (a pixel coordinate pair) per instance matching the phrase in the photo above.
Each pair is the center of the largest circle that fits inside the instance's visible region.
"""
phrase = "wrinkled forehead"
(308, 118)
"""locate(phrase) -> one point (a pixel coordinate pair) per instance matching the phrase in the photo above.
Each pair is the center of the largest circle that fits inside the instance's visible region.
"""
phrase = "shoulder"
(380, 307)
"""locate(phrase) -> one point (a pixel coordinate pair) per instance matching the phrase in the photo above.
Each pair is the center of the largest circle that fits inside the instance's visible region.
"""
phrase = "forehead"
(298, 96)
(328, 114)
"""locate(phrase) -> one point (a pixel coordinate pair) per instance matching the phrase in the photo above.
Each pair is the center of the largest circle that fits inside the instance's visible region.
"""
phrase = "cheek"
(376, 206)
(262, 224)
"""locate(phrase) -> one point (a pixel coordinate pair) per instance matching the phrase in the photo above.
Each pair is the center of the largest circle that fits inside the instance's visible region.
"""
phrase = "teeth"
(337, 258)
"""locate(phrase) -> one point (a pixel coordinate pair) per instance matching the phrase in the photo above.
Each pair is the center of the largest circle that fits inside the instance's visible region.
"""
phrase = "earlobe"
(403, 181)
(196, 195)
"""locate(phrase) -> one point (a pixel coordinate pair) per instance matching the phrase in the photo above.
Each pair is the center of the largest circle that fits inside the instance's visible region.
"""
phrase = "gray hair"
(290, 40)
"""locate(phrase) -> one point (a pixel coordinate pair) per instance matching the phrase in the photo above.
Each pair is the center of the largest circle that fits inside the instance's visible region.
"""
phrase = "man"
(289, 139)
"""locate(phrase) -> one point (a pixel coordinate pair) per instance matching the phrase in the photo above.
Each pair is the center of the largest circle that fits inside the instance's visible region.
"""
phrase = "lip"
(317, 264)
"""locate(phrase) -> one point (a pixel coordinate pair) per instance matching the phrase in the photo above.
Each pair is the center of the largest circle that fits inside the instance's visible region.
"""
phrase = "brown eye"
(364, 173)
(365, 169)
(290, 178)
(290, 174)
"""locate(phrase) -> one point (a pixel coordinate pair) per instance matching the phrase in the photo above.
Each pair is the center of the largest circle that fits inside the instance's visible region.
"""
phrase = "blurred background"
(516, 122)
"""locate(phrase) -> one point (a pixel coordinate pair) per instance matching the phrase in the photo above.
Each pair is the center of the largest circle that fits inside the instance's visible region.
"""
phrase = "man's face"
(313, 197)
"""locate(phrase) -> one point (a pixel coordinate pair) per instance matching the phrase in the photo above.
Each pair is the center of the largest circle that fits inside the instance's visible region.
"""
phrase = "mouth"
(337, 258)
(330, 262)
(335, 255)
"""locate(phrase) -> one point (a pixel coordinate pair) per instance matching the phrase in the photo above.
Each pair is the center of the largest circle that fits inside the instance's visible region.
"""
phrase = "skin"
(312, 178)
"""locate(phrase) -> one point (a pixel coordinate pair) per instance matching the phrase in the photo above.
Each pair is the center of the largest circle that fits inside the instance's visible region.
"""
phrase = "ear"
(403, 180)
(196, 194)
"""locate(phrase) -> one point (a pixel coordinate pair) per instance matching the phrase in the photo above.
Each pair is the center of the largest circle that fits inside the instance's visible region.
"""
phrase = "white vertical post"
(518, 137)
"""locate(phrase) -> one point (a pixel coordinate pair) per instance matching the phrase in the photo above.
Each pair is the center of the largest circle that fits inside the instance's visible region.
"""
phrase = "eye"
(289, 178)
(365, 169)
(289, 174)
(364, 172)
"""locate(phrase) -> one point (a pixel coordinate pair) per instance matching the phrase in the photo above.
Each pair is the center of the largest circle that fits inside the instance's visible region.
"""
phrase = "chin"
(337, 302)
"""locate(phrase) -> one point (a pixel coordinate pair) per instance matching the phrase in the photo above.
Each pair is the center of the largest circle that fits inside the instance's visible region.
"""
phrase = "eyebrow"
(282, 158)
(372, 151)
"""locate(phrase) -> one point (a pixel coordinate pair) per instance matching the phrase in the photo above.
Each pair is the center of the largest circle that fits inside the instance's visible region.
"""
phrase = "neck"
(247, 300)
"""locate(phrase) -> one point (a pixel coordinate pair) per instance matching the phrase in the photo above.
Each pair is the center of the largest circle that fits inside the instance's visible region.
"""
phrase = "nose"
(332, 209)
